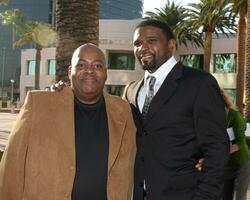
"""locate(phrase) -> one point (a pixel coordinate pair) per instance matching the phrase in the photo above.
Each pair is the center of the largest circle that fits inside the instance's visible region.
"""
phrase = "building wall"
(28, 81)
(116, 36)
(219, 46)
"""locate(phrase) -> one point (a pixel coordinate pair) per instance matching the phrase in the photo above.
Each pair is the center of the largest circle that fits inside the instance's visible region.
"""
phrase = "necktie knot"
(151, 83)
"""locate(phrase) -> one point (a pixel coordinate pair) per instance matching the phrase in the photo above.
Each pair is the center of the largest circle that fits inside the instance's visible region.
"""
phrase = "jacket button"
(142, 159)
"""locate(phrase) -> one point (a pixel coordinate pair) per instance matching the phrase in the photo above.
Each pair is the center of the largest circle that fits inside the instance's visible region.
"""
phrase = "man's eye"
(137, 44)
(97, 65)
(152, 40)
(80, 65)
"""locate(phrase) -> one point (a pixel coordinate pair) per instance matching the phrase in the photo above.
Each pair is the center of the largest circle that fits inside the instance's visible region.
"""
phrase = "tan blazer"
(39, 161)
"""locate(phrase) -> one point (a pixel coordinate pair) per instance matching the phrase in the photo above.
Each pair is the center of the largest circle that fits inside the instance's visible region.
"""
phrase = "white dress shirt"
(160, 74)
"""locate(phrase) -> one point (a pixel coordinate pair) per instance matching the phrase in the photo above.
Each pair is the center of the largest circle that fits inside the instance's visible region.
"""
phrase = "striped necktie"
(149, 95)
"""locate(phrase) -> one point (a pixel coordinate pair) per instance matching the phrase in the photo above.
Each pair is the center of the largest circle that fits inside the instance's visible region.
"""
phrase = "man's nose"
(144, 46)
(89, 68)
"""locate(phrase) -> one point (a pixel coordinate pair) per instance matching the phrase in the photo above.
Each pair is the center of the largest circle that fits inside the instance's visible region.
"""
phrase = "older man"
(76, 144)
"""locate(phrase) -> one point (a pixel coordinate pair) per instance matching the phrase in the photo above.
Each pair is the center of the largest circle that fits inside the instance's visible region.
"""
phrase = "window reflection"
(122, 61)
(225, 63)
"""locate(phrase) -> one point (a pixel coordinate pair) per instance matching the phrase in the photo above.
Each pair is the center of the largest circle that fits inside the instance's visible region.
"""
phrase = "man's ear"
(171, 44)
(69, 72)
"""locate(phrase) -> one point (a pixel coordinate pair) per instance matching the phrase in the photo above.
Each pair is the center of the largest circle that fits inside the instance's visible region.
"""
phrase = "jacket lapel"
(116, 124)
(165, 92)
(65, 129)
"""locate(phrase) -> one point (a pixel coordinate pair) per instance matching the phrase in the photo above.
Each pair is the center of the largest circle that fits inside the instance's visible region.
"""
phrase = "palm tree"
(40, 34)
(3, 2)
(77, 22)
(240, 8)
(211, 16)
(247, 76)
(175, 16)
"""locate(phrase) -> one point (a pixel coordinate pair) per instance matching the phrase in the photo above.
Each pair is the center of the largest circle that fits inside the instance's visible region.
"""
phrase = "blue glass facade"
(120, 9)
(37, 10)
(41, 10)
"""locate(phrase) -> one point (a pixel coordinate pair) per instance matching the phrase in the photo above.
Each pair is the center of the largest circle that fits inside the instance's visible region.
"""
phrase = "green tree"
(39, 34)
(175, 16)
(211, 16)
(240, 8)
(3, 2)
(77, 22)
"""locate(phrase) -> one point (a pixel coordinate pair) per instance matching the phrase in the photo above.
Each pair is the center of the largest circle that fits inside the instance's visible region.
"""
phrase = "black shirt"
(92, 144)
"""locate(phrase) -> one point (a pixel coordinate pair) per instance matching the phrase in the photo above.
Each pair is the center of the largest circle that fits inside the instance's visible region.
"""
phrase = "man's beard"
(147, 66)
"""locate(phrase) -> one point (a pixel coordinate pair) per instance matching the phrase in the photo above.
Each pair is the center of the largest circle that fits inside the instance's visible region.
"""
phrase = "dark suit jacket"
(185, 121)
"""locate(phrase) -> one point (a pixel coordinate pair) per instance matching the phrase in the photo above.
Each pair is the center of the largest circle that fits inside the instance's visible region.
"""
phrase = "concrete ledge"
(9, 110)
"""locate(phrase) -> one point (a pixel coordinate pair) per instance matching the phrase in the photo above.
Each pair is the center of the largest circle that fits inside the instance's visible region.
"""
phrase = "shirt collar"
(161, 73)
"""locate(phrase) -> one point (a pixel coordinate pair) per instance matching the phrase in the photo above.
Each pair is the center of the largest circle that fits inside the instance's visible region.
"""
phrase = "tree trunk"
(37, 67)
(241, 37)
(207, 51)
(247, 76)
(77, 22)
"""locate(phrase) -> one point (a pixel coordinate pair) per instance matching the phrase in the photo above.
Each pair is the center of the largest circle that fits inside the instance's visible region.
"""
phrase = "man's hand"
(234, 148)
(199, 164)
(58, 86)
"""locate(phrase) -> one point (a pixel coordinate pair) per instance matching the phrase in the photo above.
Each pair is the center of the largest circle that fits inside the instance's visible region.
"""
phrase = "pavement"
(7, 120)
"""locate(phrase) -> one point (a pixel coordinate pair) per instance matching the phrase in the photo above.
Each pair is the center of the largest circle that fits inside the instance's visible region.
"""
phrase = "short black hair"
(158, 24)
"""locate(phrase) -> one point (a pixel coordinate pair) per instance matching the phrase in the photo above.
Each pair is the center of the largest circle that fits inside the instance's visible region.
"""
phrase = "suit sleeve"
(125, 92)
(12, 166)
(213, 142)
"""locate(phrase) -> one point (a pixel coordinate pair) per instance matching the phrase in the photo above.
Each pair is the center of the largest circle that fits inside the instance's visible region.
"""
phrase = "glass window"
(225, 63)
(123, 61)
(51, 67)
(192, 60)
(231, 93)
(31, 67)
(115, 89)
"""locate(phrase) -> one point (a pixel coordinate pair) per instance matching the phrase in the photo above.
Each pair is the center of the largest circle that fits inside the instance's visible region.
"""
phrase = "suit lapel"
(116, 124)
(165, 92)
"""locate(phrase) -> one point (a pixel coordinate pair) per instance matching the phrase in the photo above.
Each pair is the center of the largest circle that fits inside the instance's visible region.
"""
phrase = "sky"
(149, 5)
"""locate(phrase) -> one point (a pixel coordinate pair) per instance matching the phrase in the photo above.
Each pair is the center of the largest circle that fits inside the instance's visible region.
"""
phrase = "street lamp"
(12, 90)
(2, 78)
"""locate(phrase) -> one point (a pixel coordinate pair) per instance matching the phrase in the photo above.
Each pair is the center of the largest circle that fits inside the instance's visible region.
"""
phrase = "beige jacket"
(39, 161)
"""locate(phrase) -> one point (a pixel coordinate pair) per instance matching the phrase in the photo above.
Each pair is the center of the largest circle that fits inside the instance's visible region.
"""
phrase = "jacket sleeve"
(210, 125)
(239, 127)
(12, 166)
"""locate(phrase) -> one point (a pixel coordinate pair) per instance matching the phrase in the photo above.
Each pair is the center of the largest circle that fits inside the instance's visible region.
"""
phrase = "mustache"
(88, 77)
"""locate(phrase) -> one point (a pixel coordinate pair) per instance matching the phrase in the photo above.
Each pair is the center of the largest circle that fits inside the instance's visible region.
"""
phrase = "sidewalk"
(7, 121)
